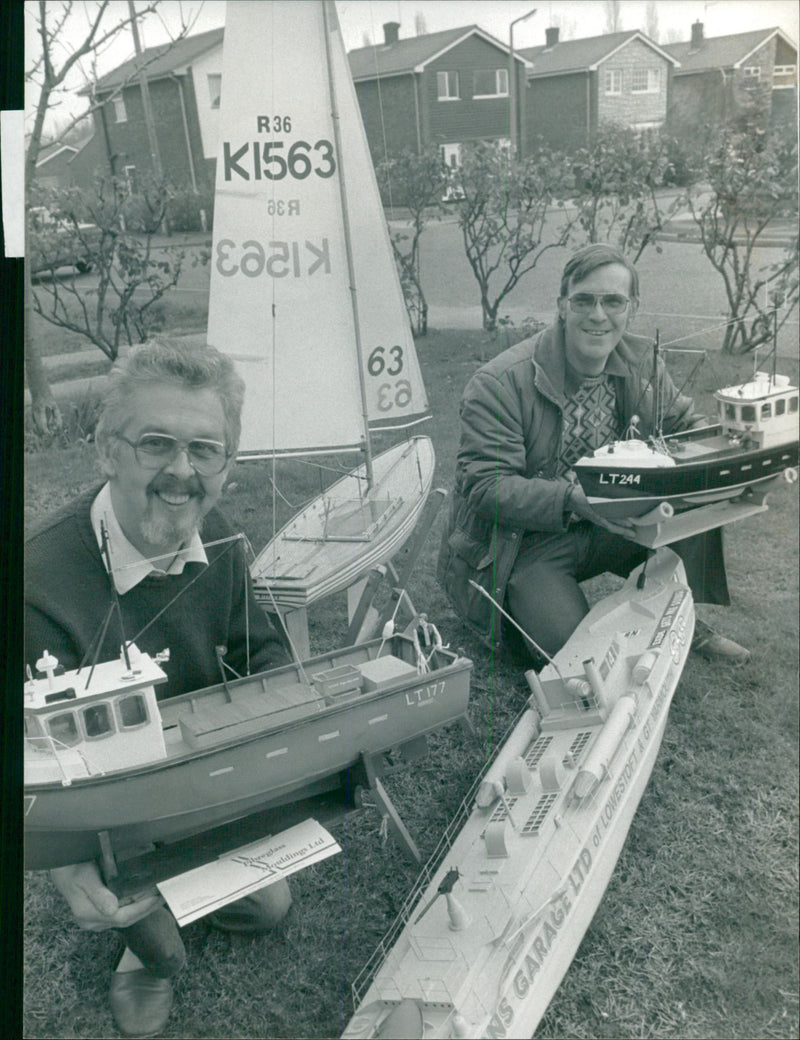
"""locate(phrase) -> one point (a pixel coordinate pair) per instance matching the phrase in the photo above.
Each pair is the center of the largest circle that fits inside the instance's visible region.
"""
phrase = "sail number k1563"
(272, 160)
(278, 260)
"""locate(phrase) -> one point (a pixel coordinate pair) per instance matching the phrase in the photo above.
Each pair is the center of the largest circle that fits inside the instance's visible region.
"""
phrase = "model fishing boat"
(485, 938)
(755, 442)
(110, 769)
(306, 299)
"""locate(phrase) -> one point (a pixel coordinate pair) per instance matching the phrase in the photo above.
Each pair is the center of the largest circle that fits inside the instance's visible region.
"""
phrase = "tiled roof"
(404, 56)
(579, 55)
(161, 60)
(719, 52)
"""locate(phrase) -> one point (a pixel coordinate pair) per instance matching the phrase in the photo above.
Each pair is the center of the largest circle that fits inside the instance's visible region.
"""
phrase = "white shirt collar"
(128, 564)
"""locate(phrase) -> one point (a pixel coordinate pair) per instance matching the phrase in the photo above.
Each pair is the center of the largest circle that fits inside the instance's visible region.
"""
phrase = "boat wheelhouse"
(110, 769)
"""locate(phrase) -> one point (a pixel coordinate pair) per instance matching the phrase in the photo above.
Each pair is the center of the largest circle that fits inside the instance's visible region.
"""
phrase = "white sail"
(281, 301)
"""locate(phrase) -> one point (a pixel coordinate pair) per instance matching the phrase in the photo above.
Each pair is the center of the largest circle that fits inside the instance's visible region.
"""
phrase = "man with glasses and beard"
(520, 525)
(166, 439)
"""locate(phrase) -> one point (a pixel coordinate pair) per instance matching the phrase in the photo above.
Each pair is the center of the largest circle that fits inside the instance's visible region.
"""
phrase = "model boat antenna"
(521, 630)
(104, 549)
(348, 244)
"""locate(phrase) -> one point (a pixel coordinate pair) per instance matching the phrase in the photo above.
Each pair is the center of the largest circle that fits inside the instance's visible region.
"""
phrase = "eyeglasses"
(155, 450)
(585, 302)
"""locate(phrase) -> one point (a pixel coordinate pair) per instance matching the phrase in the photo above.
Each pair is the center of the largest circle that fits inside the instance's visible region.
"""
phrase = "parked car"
(54, 241)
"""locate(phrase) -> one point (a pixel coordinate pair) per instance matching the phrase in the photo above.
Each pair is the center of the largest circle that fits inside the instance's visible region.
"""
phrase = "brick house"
(444, 89)
(725, 76)
(573, 86)
(184, 81)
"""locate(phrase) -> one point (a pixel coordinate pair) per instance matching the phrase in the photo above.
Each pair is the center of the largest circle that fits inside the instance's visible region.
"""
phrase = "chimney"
(391, 32)
(697, 36)
(551, 37)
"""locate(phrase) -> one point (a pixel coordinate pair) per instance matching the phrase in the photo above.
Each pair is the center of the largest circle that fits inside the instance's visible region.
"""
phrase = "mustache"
(172, 485)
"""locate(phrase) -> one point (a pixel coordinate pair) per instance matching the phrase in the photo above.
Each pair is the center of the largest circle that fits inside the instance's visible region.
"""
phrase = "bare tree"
(510, 214)
(613, 9)
(651, 20)
(366, 40)
(89, 29)
(420, 25)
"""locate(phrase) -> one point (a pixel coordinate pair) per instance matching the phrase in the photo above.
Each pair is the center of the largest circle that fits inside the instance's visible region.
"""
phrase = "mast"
(347, 241)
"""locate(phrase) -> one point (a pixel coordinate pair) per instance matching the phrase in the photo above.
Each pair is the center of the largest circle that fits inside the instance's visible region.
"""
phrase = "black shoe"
(716, 647)
(140, 1002)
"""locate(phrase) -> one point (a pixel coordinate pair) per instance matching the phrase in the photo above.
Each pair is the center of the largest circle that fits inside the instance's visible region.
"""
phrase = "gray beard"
(164, 532)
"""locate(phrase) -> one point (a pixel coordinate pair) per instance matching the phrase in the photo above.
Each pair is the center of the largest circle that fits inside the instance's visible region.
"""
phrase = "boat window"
(33, 727)
(730, 411)
(792, 404)
(131, 711)
(64, 728)
(748, 413)
(766, 410)
(97, 720)
(780, 406)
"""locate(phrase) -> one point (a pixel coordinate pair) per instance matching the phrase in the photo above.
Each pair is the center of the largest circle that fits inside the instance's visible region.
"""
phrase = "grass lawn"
(697, 933)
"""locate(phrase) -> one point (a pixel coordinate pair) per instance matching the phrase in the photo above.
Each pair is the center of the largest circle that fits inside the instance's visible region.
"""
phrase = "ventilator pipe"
(523, 733)
(605, 746)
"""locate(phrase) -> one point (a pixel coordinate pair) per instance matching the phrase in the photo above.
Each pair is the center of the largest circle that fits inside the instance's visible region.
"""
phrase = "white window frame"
(444, 82)
(451, 155)
(784, 70)
(613, 82)
(120, 112)
(500, 82)
(214, 81)
(653, 77)
(129, 173)
(752, 72)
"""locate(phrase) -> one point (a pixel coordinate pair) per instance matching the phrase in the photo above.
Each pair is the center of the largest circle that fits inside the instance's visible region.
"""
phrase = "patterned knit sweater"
(68, 594)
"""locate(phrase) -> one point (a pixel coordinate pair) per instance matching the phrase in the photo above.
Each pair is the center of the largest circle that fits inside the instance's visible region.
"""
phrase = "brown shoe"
(716, 647)
(140, 1002)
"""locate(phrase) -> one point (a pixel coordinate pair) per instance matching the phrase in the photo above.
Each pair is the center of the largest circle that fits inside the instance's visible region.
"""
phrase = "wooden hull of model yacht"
(347, 530)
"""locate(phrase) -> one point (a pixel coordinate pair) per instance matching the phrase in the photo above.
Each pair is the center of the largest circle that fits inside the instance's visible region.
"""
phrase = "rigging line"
(186, 588)
(172, 555)
(380, 111)
(702, 332)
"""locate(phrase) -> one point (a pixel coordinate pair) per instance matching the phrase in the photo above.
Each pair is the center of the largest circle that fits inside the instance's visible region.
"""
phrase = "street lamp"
(512, 82)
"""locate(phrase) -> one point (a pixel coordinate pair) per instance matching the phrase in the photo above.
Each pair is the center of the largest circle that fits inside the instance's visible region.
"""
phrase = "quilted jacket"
(506, 470)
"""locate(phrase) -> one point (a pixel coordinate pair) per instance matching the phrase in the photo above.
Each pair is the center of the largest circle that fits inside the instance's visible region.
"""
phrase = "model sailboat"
(306, 299)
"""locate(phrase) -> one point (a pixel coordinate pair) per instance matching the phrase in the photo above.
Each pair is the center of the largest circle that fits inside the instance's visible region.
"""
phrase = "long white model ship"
(485, 938)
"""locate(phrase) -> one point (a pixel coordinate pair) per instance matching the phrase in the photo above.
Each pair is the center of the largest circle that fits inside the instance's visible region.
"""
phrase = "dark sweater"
(68, 594)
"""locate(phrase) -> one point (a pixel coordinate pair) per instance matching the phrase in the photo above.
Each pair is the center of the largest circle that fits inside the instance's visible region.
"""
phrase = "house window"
(491, 83)
(752, 75)
(645, 81)
(447, 86)
(120, 115)
(613, 81)
(784, 72)
(214, 88)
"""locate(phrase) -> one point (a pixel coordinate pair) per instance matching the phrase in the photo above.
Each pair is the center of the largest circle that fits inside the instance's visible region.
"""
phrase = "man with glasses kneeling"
(166, 438)
(520, 525)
